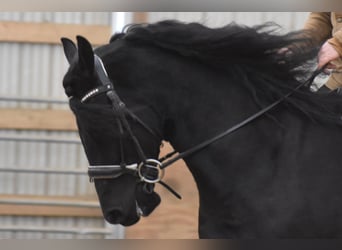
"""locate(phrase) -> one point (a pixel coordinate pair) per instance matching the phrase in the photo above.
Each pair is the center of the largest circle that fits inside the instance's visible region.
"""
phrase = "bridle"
(147, 170)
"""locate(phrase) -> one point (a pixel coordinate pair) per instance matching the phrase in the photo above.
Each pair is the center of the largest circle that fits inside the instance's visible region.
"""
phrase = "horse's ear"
(70, 49)
(85, 54)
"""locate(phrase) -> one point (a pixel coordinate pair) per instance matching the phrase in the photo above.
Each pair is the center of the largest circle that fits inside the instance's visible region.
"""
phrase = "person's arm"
(336, 41)
(318, 26)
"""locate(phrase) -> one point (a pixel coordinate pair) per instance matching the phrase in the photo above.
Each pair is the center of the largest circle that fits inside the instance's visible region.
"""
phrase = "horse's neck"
(204, 112)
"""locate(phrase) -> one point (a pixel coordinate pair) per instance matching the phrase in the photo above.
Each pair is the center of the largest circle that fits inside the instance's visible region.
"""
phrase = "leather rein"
(151, 171)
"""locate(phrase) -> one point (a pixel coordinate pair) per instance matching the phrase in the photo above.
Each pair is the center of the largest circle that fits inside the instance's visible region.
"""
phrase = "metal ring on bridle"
(152, 164)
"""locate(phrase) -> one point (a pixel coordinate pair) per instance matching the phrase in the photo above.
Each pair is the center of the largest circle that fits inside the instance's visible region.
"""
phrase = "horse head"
(117, 143)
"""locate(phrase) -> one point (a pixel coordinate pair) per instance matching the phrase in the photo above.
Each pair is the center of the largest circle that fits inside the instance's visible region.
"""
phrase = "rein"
(151, 171)
(200, 146)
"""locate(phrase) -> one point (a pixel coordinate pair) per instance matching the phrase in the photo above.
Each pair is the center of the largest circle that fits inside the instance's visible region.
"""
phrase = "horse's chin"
(146, 202)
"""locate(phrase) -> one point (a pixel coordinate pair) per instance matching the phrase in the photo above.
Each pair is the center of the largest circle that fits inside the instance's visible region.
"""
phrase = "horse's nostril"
(114, 216)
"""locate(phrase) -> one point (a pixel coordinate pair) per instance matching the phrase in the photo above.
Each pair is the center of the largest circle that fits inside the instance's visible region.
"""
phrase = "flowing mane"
(250, 52)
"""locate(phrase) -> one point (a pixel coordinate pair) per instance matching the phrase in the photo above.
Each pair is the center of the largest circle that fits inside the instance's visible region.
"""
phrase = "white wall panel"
(97, 18)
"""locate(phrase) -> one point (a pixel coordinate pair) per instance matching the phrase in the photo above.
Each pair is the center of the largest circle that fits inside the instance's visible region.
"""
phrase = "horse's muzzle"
(117, 216)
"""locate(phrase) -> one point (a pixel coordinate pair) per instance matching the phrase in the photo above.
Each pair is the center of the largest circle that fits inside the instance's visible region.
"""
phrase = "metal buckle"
(151, 164)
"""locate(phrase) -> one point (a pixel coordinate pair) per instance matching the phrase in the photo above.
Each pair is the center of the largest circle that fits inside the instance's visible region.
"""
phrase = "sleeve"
(318, 26)
(336, 41)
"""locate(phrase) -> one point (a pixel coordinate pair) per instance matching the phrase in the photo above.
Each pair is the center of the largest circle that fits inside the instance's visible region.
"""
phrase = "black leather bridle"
(152, 170)
(148, 170)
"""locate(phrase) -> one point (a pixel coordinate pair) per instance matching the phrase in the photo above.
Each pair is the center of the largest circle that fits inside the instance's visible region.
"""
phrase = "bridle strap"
(121, 142)
(119, 107)
(97, 91)
(112, 171)
(157, 135)
(206, 143)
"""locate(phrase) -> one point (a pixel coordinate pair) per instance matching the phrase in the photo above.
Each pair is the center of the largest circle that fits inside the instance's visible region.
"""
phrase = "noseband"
(150, 170)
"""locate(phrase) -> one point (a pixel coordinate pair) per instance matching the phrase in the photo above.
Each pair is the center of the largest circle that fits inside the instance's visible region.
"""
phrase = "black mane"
(252, 53)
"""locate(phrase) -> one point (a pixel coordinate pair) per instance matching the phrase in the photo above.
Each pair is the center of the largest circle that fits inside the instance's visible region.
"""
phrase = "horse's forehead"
(73, 77)
(74, 71)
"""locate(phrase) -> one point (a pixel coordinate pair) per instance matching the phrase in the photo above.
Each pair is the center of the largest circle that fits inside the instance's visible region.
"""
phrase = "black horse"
(279, 175)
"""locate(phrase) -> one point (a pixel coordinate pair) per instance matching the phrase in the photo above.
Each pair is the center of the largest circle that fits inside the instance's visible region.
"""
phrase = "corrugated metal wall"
(36, 71)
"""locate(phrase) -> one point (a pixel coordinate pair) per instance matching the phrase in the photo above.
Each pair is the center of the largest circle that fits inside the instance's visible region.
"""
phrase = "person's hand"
(326, 54)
